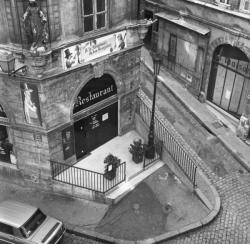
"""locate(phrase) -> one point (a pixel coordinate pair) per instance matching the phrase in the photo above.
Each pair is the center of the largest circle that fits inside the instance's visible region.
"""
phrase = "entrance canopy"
(176, 19)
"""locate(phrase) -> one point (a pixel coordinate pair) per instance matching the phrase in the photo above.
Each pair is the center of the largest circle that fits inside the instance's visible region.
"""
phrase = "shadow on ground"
(159, 204)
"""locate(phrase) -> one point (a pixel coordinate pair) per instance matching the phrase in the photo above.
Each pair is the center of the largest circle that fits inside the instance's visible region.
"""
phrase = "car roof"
(15, 213)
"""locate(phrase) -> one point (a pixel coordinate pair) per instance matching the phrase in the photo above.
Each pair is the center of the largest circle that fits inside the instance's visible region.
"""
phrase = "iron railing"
(86, 179)
(168, 136)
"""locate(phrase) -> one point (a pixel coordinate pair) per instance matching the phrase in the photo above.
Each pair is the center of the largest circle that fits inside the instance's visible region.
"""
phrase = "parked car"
(24, 224)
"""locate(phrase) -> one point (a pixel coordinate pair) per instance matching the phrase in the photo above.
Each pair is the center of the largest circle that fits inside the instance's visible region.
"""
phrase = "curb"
(96, 236)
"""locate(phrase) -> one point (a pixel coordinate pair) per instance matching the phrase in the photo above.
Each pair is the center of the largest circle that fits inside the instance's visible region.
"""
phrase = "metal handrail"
(84, 178)
(168, 136)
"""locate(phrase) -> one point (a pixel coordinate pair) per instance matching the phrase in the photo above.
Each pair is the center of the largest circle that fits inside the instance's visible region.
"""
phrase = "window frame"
(242, 4)
(223, 3)
(94, 14)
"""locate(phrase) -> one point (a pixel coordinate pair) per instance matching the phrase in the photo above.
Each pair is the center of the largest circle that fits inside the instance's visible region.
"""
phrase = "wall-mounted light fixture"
(7, 64)
(143, 25)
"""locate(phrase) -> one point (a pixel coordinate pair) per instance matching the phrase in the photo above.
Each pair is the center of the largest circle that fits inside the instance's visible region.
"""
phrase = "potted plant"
(111, 164)
(137, 151)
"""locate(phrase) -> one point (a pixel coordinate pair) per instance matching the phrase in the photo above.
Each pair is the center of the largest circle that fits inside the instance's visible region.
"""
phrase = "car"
(25, 224)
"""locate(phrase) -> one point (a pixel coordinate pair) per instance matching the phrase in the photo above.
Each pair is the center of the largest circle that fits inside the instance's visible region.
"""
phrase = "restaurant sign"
(96, 90)
(95, 48)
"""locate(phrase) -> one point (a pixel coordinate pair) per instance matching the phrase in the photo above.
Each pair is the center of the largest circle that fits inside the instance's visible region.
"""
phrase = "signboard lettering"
(92, 96)
(96, 90)
(90, 50)
(94, 122)
(239, 66)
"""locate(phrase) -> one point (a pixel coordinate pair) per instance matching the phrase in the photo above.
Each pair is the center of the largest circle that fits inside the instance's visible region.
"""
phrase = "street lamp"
(7, 64)
(150, 148)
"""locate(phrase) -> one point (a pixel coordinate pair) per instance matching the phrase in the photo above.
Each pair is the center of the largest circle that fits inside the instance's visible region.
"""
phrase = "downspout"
(202, 96)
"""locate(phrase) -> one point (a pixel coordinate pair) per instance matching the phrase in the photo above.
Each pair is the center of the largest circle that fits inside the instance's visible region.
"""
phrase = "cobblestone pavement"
(228, 176)
(72, 239)
(231, 226)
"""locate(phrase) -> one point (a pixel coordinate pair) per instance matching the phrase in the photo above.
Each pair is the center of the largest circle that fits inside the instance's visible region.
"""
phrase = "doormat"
(217, 125)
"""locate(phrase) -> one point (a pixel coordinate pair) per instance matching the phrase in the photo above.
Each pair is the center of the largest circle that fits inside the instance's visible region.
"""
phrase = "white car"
(24, 224)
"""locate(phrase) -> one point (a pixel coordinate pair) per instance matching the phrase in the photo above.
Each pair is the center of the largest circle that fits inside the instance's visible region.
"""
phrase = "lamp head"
(157, 60)
(7, 62)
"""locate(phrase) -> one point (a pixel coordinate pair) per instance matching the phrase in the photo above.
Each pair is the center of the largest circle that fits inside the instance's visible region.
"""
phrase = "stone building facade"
(205, 44)
(74, 78)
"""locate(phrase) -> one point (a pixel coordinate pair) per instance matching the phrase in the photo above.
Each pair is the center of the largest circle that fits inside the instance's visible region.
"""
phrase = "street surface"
(228, 176)
(231, 180)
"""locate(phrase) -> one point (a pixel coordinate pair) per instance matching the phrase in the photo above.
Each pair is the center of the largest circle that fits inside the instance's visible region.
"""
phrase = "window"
(245, 5)
(34, 222)
(224, 1)
(172, 48)
(94, 13)
(6, 229)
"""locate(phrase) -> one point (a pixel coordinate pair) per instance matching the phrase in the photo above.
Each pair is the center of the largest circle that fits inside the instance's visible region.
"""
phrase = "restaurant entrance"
(96, 129)
(101, 124)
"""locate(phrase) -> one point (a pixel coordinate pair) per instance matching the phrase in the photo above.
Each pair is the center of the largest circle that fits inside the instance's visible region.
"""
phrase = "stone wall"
(34, 146)
(64, 19)
(226, 27)
(3, 24)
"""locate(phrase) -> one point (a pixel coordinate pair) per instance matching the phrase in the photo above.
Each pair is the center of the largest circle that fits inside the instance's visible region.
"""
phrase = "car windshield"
(34, 222)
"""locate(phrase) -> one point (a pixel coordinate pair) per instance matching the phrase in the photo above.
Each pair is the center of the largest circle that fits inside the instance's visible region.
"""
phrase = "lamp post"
(150, 148)
(7, 64)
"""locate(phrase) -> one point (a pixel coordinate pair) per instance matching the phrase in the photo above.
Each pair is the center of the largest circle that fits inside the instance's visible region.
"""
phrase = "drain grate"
(217, 125)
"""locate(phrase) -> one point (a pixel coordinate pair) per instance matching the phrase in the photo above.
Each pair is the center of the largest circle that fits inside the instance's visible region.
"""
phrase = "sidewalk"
(238, 148)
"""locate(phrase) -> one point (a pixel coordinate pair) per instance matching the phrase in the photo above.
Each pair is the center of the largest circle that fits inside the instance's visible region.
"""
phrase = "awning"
(176, 19)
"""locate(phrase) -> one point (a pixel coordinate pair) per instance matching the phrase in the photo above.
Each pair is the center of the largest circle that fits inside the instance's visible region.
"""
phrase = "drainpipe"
(202, 97)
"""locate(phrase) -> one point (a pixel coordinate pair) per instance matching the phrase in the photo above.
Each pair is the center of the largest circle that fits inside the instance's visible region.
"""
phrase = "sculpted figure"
(35, 26)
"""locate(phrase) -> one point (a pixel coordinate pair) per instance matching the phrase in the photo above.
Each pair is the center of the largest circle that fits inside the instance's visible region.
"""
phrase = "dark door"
(96, 129)
(4, 148)
(147, 41)
(80, 135)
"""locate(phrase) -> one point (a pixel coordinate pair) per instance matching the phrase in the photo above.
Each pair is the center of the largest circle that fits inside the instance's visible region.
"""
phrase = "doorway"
(93, 130)
(96, 129)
